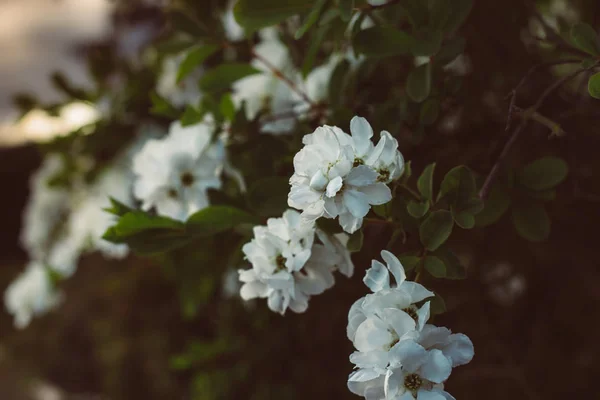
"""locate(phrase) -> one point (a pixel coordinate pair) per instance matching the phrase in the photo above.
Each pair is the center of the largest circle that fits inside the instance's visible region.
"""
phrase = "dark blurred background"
(531, 309)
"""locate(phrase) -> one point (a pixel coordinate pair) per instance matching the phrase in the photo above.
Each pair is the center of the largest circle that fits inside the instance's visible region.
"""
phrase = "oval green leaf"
(531, 221)
(543, 174)
(436, 229)
(418, 83)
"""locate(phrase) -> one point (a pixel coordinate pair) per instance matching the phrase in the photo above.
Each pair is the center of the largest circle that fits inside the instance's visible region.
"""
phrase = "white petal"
(318, 181)
(361, 135)
(278, 302)
(433, 336)
(394, 266)
(377, 277)
(360, 384)
(377, 193)
(247, 275)
(370, 359)
(423, 394)
(334, 186)
(372, 334)
(299, 303)
(416, 291)
(459, 349)
(355, 317)
(349, 222)
(393, 383)
(437, 367)
(251, 290)
(363, 375)
(423, 315)
(314, 211)
(400, 321)
(409, 354)
(361, 176)
(356, 202)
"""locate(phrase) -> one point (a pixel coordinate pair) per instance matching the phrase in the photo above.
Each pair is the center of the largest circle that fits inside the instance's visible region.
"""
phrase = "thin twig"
(495, 171)
(555, 127)
(279, 74)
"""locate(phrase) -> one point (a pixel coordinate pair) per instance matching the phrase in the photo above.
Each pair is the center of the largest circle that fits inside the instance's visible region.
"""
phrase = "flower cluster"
(398, 355)
(173, 174)
(289, 266)
(341, 175)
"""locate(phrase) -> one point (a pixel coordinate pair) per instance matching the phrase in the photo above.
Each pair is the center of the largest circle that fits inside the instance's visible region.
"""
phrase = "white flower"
(182, 93)
(45, 209)
(173, 174)
(329, 182)
(416, 372)
(288, 266)
(457, 347)
(30, 294)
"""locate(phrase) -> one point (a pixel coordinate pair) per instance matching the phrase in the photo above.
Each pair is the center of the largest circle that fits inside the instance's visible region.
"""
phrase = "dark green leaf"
(436, 229)
(118, 208)
(439, 13)
(194, 58)
(454, 269)
(346, 7)
(458, 187)
(531, 221)
(585, 38)
(464, 219)
(256, 14)
(191, 116)
(588, 63)
(139, 221)
(215, 219)
(315, 43)
(450, 50)
(311, 18)
(460, 10)
(544, 173)
(328, 16)
(495, 206)
(430, 110)
(427, 43)
(336, 83)
(437, 304)
(416, 209)
(425, 182)
(418, 83)
(222, 76)
(162, 107)
(268, 196)
(409, 262)
(435, 266)
(544, 195)
(226, 107)
(416, 11)
(381, 41)
(355, 242)
(594, 85)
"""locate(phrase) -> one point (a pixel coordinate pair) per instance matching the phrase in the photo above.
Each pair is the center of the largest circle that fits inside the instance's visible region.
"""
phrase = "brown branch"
(495, 171)
(280, 75)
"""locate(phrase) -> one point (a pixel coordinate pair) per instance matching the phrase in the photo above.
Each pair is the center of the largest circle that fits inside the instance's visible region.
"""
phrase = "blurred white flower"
(179, 94)
(173, 174)
(30, 294)
(288, 266)
(335, 174)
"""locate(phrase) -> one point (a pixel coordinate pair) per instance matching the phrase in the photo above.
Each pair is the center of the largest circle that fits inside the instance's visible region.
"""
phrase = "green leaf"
(458, 187)
(416, 209)
(215, 219)
(409, 262)
(379, 41)
(355, 242)
(543, 174)
(425, 182)
(594, 85)
(429, 111)
(138, 221)
(328, 16)
(193, 59)
(221, 77)
(435, 266)
(436, 229)
(464, 219)
(268, 196)
(226, 107)
(531, 221)
(454, 269)
(585, 38)
(427, 43)
(162, 107)
(416, 11)
(191, 116)
(311, 18)
(315, 43)
(450, 50)
(459, 12)
(118, 208)
(418, 83)
(495, 206)
(544, 195)
(437, 304)
(256, 14)
(346, 7)
(336, 83)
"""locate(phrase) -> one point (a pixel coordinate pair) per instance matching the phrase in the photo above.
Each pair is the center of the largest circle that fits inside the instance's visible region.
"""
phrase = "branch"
(279, 74)
(527, 115)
